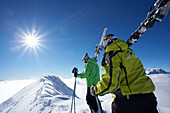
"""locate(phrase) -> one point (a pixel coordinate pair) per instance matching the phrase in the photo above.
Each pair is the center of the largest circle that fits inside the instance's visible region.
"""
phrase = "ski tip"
(105, 28)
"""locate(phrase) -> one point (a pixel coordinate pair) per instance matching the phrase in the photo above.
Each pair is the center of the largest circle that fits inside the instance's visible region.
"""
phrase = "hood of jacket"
(116, 45)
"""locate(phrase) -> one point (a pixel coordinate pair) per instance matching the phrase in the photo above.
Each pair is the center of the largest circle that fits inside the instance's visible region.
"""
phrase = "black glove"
(92, 90)
(75, 71)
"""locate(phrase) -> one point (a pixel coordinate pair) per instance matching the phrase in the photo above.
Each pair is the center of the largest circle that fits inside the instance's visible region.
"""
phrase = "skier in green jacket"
(92, 75)
(125, 77)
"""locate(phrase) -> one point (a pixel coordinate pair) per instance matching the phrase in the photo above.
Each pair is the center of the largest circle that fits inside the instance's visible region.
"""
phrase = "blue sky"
(69, 28)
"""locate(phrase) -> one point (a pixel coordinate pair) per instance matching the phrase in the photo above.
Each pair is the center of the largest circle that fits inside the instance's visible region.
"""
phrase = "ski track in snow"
(50, 95)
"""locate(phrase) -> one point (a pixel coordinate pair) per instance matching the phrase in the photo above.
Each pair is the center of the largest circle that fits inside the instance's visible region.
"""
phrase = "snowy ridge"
(149, 71)
(50, 95)
(43, 96)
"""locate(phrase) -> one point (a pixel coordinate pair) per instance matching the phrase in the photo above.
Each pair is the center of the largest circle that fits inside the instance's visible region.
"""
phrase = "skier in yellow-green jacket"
(125, 77)
(92, 76)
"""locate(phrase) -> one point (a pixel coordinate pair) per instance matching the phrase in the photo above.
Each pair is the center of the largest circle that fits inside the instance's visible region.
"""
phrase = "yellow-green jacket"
(124, 71)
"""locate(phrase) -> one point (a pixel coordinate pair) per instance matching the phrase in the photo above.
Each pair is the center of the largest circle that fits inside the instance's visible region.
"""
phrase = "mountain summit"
(155, 71)
(47, 94)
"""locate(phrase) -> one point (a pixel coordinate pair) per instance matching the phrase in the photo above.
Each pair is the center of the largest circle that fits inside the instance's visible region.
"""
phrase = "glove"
(75, 71)
(92, 90)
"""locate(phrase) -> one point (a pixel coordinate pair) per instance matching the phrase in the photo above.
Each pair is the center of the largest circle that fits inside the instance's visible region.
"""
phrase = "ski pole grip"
(75, 71)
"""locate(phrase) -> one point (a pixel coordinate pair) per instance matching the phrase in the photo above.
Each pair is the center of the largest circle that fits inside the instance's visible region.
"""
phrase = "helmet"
(108, 39)
(85, 57)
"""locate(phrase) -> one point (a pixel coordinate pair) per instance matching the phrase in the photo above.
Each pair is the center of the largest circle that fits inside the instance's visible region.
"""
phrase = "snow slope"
(162, 83)
(11, 87)
(47, 94)
(50, 95)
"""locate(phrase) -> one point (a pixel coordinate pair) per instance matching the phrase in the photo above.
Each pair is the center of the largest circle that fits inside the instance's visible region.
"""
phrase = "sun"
(30, 41)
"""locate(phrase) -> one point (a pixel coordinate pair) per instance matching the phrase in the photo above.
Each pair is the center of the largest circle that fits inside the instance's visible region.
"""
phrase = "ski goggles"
(107, 40)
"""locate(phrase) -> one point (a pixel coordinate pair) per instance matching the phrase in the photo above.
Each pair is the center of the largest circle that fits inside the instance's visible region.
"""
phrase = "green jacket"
(91, 72)
(124, 71)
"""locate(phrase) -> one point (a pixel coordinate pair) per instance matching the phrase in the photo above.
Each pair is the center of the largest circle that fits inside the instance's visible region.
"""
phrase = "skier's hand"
(92, 90)
(75, 71)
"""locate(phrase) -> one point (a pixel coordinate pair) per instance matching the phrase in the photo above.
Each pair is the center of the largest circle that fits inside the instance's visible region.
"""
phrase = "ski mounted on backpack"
(156, 15)
(98, 48)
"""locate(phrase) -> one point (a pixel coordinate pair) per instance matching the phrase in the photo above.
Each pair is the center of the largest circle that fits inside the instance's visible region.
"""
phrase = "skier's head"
(108, 40)
(85, 58)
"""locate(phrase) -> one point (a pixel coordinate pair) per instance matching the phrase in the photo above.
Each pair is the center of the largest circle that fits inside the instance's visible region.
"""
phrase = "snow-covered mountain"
(43, 96)
(155, 71)
(50, 95)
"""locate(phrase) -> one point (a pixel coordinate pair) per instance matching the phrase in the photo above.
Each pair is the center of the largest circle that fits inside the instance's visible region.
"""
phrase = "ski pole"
(98, 105)
(75, 71)
(73, 97)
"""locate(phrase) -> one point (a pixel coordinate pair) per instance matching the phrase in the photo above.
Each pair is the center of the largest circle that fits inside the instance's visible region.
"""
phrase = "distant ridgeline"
(149, 71)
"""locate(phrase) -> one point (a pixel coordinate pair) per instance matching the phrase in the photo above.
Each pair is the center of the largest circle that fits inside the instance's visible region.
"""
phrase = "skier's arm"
(111, 79)
(86, 71)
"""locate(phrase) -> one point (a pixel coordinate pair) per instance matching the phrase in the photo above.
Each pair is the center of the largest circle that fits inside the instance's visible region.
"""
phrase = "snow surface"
(9, 88)
(162, 83)
(51, 94)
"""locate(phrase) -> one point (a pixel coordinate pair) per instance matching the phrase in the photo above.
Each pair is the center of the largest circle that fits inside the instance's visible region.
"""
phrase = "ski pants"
(138, 103)
(91, 101)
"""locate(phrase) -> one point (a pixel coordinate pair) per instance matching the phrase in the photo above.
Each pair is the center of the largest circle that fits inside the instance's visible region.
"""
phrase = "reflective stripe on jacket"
(124, 71)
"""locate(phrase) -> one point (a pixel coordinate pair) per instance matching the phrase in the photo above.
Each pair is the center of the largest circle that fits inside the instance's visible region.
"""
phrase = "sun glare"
(32, 41)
